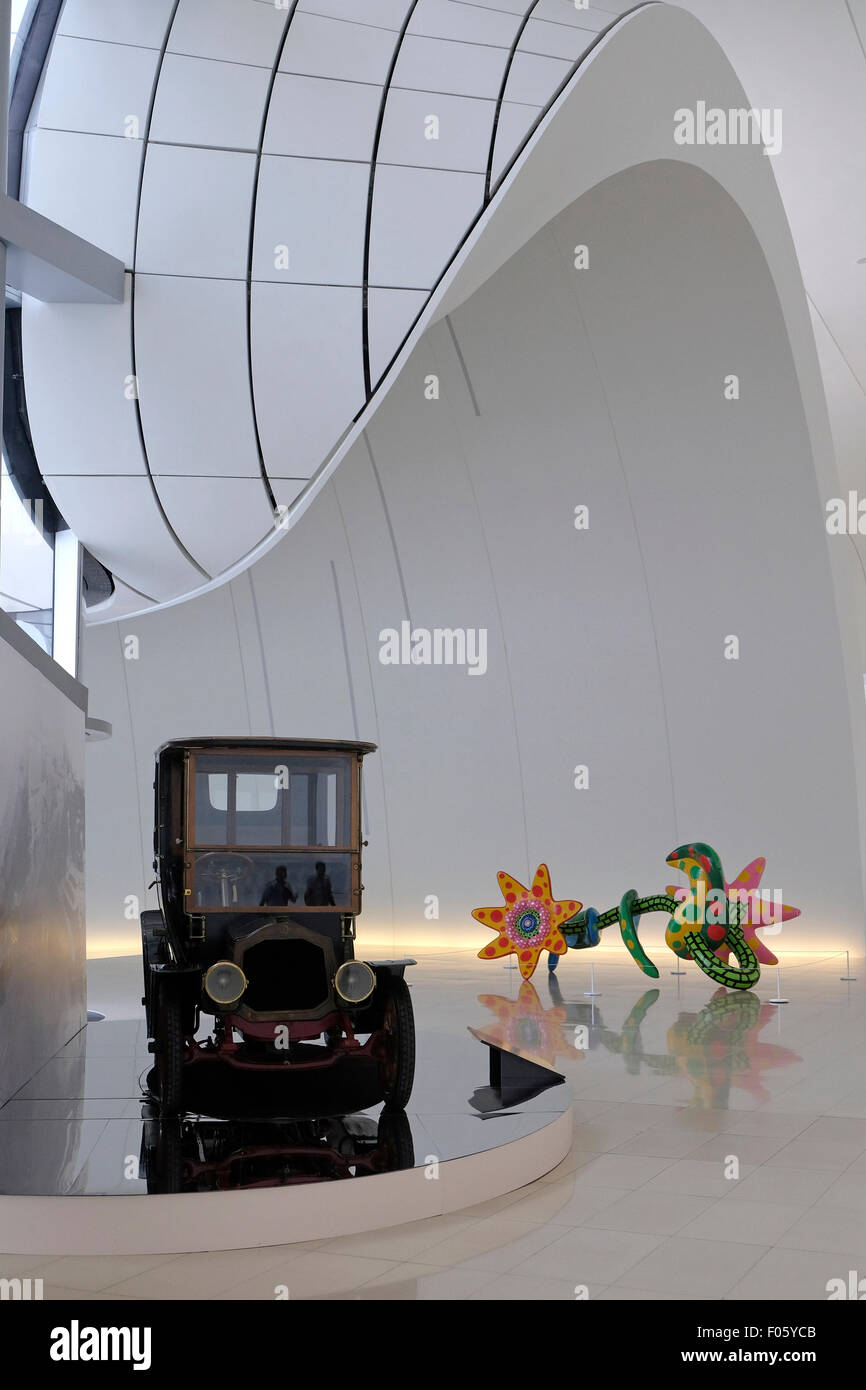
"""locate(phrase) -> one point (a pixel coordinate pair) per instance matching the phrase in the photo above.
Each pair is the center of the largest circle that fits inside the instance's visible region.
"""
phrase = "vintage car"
(258, 864)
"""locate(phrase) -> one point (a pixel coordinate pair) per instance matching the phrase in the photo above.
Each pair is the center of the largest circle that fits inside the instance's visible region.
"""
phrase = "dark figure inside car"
(279, 891)
(319, 892)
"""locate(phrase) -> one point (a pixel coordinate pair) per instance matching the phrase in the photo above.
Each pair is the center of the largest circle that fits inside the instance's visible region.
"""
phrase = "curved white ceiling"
(286, 187)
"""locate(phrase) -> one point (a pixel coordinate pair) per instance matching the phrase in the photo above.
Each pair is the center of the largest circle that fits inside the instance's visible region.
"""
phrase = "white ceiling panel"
(118, 21)
(442, 19)
(420, 216)
(516, 7)
(236, 31)
(515, 123)
(308, 372)
(120, 522)
(68, 390)
(509, 7)
(463, 131)
(534, 80)
(217, 519)
(388, 14)
(87, 183)
(321, 119)
(195, 212)
(193, 376)
(311, 212)
(202, 102)
(332, 48)
(463, 69)
(391, 315)
(557, 40)
(566, 12)
(97, 87)
(285, 490)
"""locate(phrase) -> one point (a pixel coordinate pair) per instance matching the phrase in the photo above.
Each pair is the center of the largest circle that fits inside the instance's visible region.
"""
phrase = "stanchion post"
(592, 992)
(847, 976)
(778, 999)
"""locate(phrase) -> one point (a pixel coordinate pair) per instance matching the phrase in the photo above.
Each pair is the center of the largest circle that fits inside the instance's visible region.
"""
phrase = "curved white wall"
(606, 647)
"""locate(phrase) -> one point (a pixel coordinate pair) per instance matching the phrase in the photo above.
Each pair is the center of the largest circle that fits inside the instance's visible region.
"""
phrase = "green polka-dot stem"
(687, 944)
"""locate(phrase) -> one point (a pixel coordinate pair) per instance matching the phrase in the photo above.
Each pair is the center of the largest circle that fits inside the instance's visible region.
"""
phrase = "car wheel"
(170, 1048)
(395, 1137)
(397, 1068)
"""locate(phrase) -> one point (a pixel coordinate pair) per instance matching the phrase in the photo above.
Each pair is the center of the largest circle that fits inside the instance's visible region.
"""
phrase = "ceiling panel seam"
(134, 364)
(281, 47)
(377, 140)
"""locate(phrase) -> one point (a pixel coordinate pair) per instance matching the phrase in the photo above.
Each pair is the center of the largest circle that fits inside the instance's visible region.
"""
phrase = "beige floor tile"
(513, 1288)
(748, 1223)
(750, 1149)
(208, 1274)
(621, 1170)
(801, 1186)
(620, 1293)
(654, 1213)
(766, 1122)
(831, 1129)
(693, 1268)
(601, 1136)
(663, 1143)
(314, 1275)
(696, 1178)
(99, 1272)
(704, 1121)
(411, 1283)
(503, 1241)
(22, 1266)
(509, 1254)
(817, 1152)
(847, 1192)
(781, 1275)
(400, 1243)
(566, 1203)
(588, 1257)
(828, 1228)
(60, 1293)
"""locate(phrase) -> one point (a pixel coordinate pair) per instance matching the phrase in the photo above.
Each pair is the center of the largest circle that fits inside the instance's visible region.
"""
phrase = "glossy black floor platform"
(85, 1126)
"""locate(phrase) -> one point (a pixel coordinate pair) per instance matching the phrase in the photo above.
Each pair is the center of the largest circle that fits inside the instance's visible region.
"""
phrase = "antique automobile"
(250, 961)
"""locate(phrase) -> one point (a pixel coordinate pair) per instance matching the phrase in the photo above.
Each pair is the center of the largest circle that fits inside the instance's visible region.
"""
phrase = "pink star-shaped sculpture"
(749, 879)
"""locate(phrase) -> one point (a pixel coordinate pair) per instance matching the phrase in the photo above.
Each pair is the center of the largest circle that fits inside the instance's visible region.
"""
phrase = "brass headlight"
(354, 981)
(224, 983)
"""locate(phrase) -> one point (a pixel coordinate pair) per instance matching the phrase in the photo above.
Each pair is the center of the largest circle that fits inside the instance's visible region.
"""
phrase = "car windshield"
(286, 802)
(229, 880)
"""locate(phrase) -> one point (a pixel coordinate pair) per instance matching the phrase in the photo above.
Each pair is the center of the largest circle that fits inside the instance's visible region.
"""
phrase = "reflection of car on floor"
(197, 1155)
(258, 861)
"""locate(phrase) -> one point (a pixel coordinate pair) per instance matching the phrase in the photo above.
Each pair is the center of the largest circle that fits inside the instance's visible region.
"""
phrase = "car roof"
(284, 744)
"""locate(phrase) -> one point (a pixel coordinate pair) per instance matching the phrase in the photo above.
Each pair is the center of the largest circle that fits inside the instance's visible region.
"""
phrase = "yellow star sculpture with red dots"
(528, 922)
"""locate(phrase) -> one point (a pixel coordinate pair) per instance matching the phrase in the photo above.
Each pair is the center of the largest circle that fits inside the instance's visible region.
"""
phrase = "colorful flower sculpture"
(528, 922)
(711, 919)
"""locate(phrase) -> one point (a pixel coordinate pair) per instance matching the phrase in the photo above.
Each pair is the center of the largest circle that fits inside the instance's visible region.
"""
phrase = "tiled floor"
(720, 1152)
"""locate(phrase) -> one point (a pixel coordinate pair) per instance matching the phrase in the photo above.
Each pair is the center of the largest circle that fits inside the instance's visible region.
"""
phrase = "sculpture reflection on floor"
(716, 1049)
(710, 920)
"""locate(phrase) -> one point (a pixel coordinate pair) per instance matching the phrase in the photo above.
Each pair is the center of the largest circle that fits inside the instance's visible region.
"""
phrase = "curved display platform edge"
(188, 1223)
